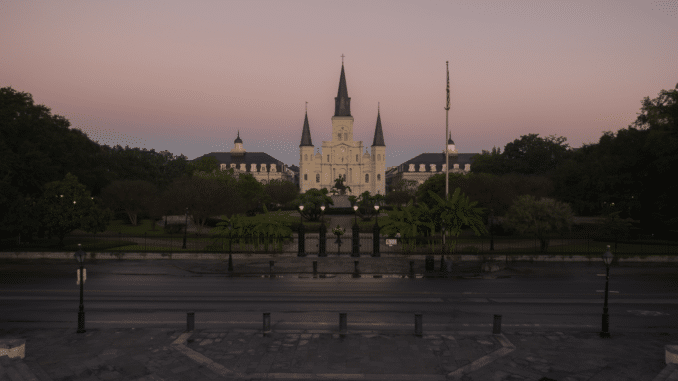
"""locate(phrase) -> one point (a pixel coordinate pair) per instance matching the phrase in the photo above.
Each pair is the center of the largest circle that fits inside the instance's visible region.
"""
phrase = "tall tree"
(132, 196)
(65, 205)
(204, 198)
(281, 191)
(539, 217)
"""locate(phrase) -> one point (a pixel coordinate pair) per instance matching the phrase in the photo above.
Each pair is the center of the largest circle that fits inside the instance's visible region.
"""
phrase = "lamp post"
(301, 249)
(321, 233)
(80, 257)
(607, 258)
(443, 227)
(375, 232)
(185, 228)
(355, 210)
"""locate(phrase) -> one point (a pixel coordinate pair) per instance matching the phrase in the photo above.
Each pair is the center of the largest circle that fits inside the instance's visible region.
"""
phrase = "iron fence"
(315, 243)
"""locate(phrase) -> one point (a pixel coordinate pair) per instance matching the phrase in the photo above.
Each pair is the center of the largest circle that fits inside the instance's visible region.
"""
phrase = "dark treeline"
(44, 162)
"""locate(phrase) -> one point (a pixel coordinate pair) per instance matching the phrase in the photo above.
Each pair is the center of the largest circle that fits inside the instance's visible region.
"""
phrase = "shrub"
(174, 228)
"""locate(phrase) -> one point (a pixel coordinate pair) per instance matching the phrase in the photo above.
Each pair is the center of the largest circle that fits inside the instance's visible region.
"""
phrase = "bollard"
(190, 321)
(497, 325)
(270, 267)
(342, 322)
(418, 330)
(443, 268)
(315, 267)
(230, 263)
(412, 269)
(355, 265)
(429, 264)
(267, 322)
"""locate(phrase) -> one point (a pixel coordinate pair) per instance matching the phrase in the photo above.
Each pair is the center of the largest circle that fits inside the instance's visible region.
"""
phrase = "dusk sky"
(184, 76)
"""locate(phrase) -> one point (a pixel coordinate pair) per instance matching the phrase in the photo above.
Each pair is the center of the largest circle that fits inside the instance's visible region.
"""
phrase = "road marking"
(612, 292)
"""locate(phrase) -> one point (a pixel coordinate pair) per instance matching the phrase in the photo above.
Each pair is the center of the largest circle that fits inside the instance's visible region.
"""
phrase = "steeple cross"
(342, 58)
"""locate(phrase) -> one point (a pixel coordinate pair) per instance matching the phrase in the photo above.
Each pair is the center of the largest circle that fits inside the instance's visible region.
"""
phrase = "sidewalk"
(171, 354)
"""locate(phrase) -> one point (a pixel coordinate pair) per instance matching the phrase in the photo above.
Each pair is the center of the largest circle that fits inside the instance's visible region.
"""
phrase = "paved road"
(47, 296)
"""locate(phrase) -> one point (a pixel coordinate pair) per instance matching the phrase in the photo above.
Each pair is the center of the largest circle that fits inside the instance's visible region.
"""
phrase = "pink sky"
(184, 76)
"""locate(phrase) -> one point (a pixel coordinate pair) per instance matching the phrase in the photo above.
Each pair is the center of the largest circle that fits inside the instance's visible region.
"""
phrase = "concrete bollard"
(315, 267)
(190, 321)
(267, 322)
(497, 325)
(342, 322)
(356, 268)
(418, 329)
(412, 269)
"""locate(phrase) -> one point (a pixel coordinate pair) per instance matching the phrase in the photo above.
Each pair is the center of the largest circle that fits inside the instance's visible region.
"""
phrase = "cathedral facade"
(343, 156)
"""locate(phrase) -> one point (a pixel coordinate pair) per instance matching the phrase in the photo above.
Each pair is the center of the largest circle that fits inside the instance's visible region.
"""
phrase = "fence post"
(190, 321)
(145, 247)
(375, 240)
(301, 241)
(356, 268)
(342, 322)
(270, 267)
(418, 329)
(322, 241)
(356, 240)
(315, 267)
(267, 322)
(496, 329)
(230, 263)
(411, 269)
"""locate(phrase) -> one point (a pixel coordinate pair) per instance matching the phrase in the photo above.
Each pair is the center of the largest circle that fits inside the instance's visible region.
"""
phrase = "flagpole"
(447, 154)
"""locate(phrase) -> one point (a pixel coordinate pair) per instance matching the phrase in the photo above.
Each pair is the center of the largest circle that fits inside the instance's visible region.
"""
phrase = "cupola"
(238, 150)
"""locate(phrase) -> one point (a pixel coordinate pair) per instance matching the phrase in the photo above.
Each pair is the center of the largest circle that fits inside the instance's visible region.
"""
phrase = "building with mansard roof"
(343, 156)
(261, 165)
(426, 165)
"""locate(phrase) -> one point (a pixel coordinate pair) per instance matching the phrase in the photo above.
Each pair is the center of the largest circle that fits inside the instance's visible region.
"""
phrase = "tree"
(96, 219)
(251, 192)
(615, 228)
(532, 154)
(132, 196)
(457, 213)
(203, 164)
(281, 191)
(36, 148)
(490, 162)
(312, 199)
(659, 117)
(204, 198)
(539, 217)
(65, 204)
(398, 198)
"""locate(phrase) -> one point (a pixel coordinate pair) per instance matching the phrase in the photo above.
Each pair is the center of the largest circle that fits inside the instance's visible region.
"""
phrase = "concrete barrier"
(671, 354)
(13, 348)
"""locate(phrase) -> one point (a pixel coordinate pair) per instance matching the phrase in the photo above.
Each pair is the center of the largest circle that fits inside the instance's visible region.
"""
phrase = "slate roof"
(378, 133)
(306, 134)
(342, 103)
(437, 158)
(248, 158)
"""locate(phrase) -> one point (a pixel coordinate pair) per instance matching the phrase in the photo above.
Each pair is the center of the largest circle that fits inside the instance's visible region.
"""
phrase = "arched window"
(339, 136)
(367, 177)
(305, 177)
(378, 177)
(317, 178)
(356, 158)
(328, 158)
(306, 157)
(379, 157)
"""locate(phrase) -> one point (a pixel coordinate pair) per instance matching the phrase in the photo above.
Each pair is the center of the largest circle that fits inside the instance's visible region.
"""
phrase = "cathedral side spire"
(342, 103)
(306, 133)
(378, 133)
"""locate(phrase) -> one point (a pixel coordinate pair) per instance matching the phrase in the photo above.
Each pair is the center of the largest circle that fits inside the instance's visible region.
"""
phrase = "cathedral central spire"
(342, 103)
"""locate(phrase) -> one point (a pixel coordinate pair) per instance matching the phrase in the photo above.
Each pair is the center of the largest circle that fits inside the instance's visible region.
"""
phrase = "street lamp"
(355, 209)
(301, 218)
(607, 258)
(376, 208)
(80, 257)
(185, 228)
(322, 214)
(444, 226)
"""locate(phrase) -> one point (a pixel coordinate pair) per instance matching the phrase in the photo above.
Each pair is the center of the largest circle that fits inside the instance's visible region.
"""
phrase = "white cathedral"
(343, 156)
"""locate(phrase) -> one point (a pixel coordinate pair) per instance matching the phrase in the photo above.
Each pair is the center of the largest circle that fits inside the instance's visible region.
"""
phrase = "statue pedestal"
(341, 201)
